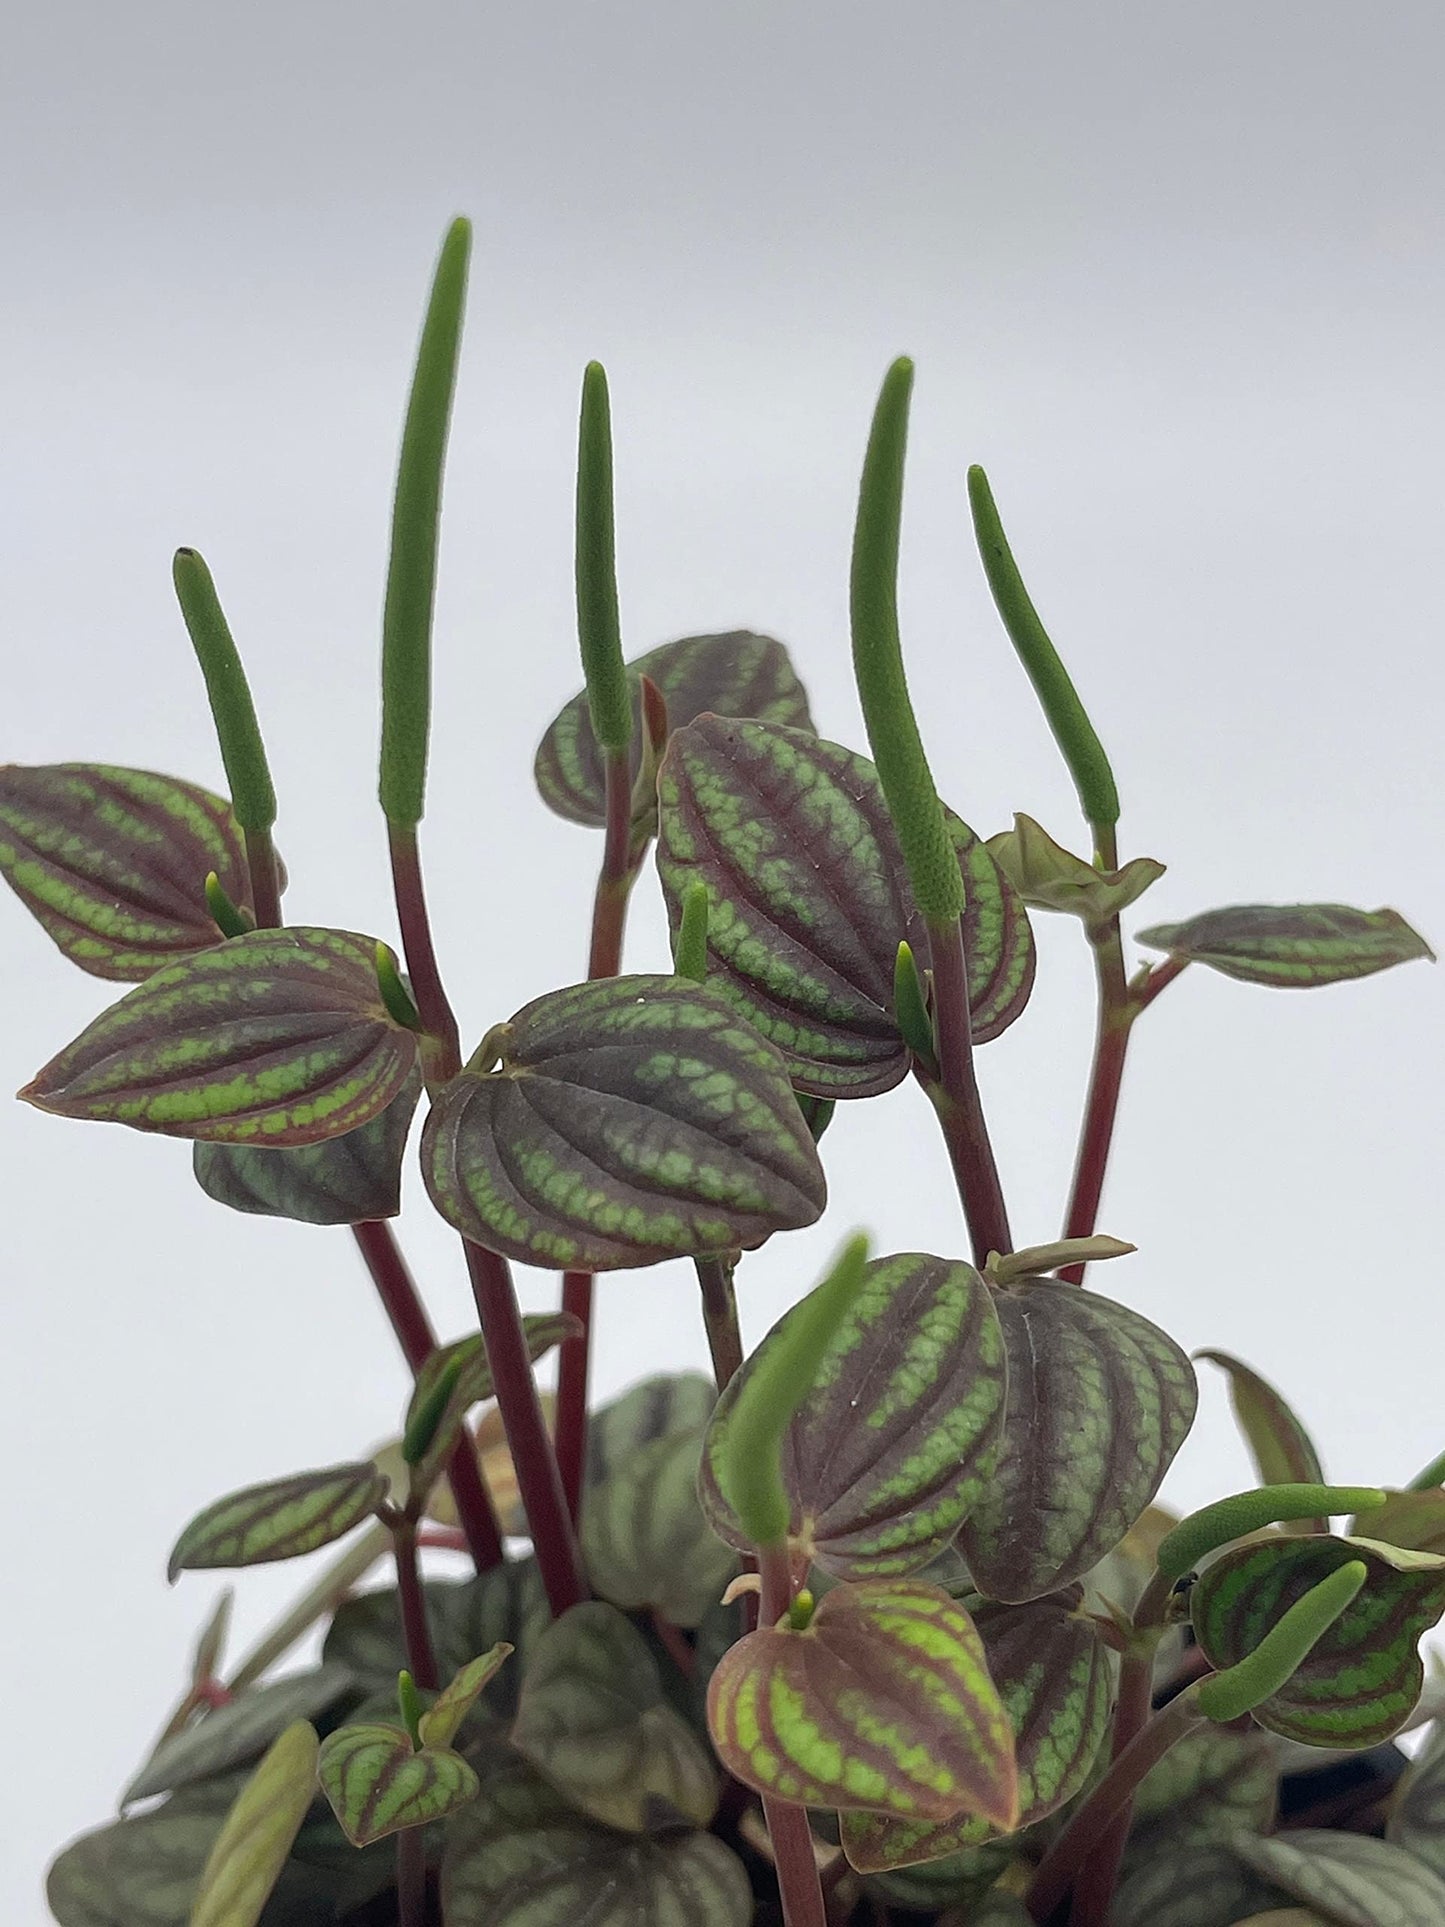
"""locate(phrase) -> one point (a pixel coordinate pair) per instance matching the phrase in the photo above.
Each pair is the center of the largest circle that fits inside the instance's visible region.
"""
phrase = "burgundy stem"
(1094, 1890)
(411, 1877)
(420, 1659)
(799, 1886)
(720, 1317)
(1116, 1014)
(265, 879)
(430, 998)
(956, 1099)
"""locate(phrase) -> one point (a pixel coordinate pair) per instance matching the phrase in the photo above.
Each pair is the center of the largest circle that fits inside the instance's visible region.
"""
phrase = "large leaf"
(279, 1520)
(1283, 1451)
(1053, 1674)
(808, 900)
(249, 1853)
(1348, 1878)
(378, 1785)
(1213, 1784)
(520, 1856)
(276, 1038)
(1291, 946)
(113, 862)
(345, 1180)
(884, 1703)
(894, 1444)
(1099, 1402)
(645, 1539)
(238, 1732)
(734, 674)
(659, 1407)
(593, 1717)
(1417, 1813)
(1204, 1886)
(1360, 1682)
(541, 1330)
(632, 1120)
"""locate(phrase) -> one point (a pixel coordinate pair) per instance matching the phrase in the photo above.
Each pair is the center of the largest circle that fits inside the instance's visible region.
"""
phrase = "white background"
(1173, 274)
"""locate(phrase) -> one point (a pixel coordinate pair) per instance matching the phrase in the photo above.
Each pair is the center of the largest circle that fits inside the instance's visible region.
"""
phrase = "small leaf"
(1049, 877)
(1099, 1401)
(734, 674)
(438, 1727)
(893, 1446)
(344, 1180)
(1291, 946)
(276, 1038)
(520, 1856)
(1213, 1784)
(1417, 1813)
(664, 1406)
(633, 1120)
(644, 1537)
(542, 1331)
(592, 1717)
(113, 863)
(1352, 1880)
(808, 900)
(1282, 1449)
(1360, 1683)
(377, 1785)
(279, 1520)
(1412, 1520)
(884, 1703)
(246, 1861)
(1052, 1672)
(239, 1731)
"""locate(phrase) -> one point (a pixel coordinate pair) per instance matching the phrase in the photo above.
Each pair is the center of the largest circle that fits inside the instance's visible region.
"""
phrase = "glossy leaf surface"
(1053, 1674)
(541, 1330)
(1417, 1813)
(1291, 946)
(276, 1038)
(808, 900)
(1349, 1878)
(886, 1455)
(279, 1520)
(233, 1734)
(884, 1703)
(645, 1539)
(442, 1720)
(344, 1180)
(633, 1120)
(733, 674)
(377, 1785)
(246, 1861)
(113, 862)
(1361, 1681)
(1282, 1449)
(592, 1716)
(1099, 1401)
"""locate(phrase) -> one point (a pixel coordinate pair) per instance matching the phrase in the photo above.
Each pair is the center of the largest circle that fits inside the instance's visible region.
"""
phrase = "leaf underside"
(1291, 946)
(1283, 1451)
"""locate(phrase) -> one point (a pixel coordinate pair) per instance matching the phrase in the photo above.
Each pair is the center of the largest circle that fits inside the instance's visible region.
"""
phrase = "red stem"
(420, 1658)
(799, 1886)
(1116, 1013)
(956, 1099)
(720, 1318)
(411, 1877)
(265, 879)
(426, 985)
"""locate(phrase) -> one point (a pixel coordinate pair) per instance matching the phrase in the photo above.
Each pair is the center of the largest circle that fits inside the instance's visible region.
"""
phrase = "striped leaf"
(1291, 946)
(345, 1180)
(808, 900)
(735, 674)
(593, 1717)
(142, 1871)
(542, 1331)
(276, 1038)
(1414, 1521)
(1099, 1401)
(279, 1520)
(113, 863)
(521, 1856)
(246, 1861)
(1350, 1879)
(440, 1723)
(645, 1539)
(238, 1732)
(377, 1785)
(959, 1880)
(1213, 1784)
(1283, 1451)
(1204, 1886)
(1417, 1813)
(657, 1408)
(1361, 1681)
(883, 1704)
(894, 1444)
(1053, 1674)
(631, 1120)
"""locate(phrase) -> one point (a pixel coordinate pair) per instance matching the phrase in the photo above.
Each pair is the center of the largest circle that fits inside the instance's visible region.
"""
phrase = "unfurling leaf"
(246, 1861)
(644, 1537)
(471, 1385)
(238, 1732)
(1352, 1880)
(439, 1726)
(276, 1038)
(1099, 1401)
(279, 1520)
(808, 900)
(1291, 946)
(735, 674)
(1052, 1673)
(1049, 877)
(632, 1120)
(883, 1704)
(113, 862)
(593, 1717)
(887, 1453)
(345, 1180)
(1360, 1683)
(1282, 1449)
(377, 1785)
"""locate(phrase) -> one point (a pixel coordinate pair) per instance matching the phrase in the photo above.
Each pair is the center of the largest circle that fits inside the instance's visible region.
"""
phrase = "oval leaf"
(887, 1454)
(665, 1405)
(140, 1872)
(1283, 1451)
(345, 1180)
(1213, 1784)
(239, 1731)
(275, 1038)
(1348, 1878)
(377, 1785)
(1191, 1887)
(1417, 1814)
(1053, 1674)
(246, 1861)
(1361, 1681)
(1099, 1401)
(280, 1520)
(808, 900)
(734, 674)
(113, 862)
(884, 1703)
(1291, 946)
(593, 1718)
(644, 1537)
(633, 1120)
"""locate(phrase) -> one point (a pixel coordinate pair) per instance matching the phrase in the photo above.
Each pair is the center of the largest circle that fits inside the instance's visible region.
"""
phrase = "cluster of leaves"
(877, 1620)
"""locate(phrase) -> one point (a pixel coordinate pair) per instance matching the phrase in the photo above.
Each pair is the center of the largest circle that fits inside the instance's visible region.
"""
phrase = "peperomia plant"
(880, 1624)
